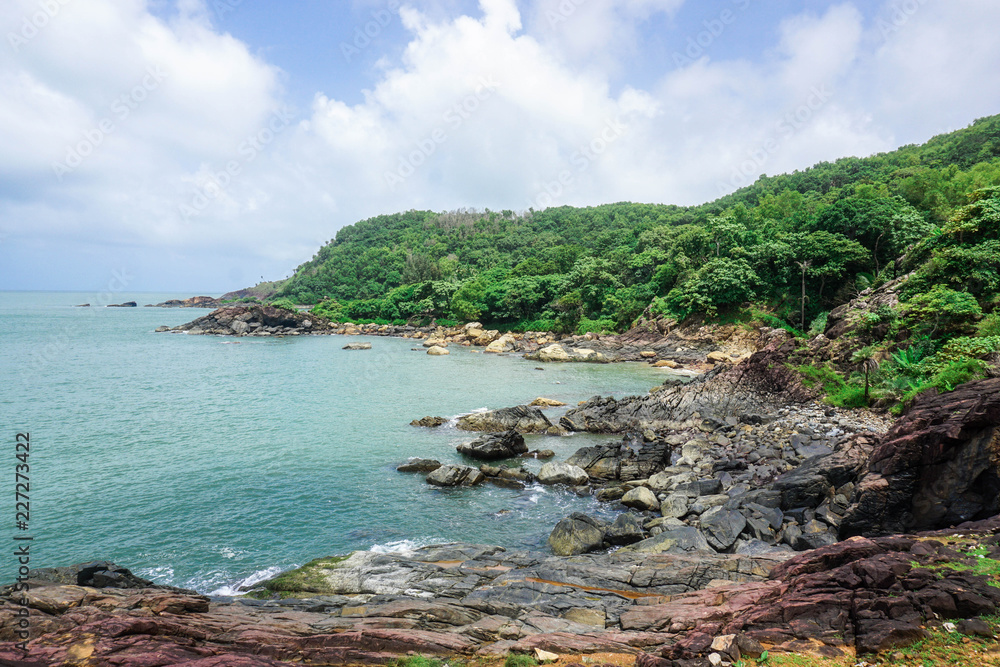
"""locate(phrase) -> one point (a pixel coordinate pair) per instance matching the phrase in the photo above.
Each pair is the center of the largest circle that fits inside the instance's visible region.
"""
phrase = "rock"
(557, 472)
(626, 529)
(727, 646)
(127, 304)
(721, 527)
(357, 346)
(673, 541)
(429, 422)
(718, 358)
(545, 656)
(455, 475)
(495, 446)
(552, 353)
(640, 498)
(666, 363)
(161, 329)
(648, 354)
(419, 465)
(577, 534)
(521, 418)
(934, 468)
(504, 343)
(434, 342)
(546, 403)
(975, 627)
(255, 320)
(437, 351)
(674, 506)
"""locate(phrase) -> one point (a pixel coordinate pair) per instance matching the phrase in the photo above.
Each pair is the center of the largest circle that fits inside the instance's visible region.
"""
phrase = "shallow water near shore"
(202, 461)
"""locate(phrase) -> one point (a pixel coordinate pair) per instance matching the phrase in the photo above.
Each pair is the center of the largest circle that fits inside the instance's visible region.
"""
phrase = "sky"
(199, 146)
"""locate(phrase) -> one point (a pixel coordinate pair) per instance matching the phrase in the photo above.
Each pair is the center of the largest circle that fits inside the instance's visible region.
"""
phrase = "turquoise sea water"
(204, 461)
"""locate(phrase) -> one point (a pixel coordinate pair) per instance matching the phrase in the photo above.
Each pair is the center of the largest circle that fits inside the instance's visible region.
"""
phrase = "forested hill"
(834, 228)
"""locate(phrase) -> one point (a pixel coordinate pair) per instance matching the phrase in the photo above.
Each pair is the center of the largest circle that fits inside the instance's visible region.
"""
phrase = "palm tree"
(867, 357)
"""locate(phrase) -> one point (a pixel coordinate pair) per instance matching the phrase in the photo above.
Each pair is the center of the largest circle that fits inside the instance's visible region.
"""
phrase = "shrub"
(989, 325)
(284, 303)
(818, 324)
(519, 660)
(602, 325)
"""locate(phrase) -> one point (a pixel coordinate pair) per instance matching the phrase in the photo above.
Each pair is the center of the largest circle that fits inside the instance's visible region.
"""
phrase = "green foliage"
(818, 325)
(520, 660)
(801, 243)
(284, 304)
(941, 309)
(416, 661)
(989, 325)
(595, 326)
(836, 390)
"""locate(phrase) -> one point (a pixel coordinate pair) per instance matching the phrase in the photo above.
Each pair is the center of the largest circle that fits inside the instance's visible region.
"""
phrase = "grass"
(416, 661)
(835, 389)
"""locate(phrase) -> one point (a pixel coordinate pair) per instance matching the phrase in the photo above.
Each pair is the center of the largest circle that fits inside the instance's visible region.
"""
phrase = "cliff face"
(936, 467)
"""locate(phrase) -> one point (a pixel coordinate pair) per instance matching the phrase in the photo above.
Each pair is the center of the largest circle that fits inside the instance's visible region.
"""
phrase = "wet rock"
(546, 403)
(357, 346)
(496, 446)
(429, 422)
(438, 351)
(419, 465)
(521, 418)
(556, 472)
(455, 475)
(577, 534)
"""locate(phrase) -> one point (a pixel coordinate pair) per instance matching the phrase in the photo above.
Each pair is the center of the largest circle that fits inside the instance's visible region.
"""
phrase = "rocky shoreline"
(750, 518)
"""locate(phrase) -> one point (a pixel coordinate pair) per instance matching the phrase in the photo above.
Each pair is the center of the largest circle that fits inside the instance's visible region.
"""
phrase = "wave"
(252, 580)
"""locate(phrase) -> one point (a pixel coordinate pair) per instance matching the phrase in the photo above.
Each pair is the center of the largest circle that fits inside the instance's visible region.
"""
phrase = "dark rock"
(577, 534)
(455, 475)
(419, 465)
(495, 446)
(429, 422)
(127, 304)
(626, 529)
(673, 541)
(934, 468)
(975, 627)
(358, 346)
(521, 418)
(721, 527)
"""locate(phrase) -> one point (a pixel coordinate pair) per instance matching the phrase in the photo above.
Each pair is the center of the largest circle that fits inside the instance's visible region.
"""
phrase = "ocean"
(210, 463)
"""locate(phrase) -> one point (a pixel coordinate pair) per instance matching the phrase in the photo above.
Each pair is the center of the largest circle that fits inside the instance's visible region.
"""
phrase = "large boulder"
(521, 418)
(629, 460)
(936, 467)
(577, 534)
(557, 472)
(684, 539)
(495, 446)
(640, 498)
(626, 529)
(721, 527)
(455, 475)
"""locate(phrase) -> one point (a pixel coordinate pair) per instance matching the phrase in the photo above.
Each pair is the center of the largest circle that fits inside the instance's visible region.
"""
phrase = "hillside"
(786, 250)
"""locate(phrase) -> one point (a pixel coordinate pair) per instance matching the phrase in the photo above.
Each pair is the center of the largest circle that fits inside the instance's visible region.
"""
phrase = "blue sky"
(197, 145)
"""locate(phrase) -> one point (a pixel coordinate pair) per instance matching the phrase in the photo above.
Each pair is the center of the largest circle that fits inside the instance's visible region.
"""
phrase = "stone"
(419, 465)
(626, 529)
(718, 358)
(429, 422)
(546, 403)
(648, 354)
(545, 656)
(455, 475)
(552, 353)
(674, 506)
(666, 363)
(577, 534)
(934, 468)
(438, 351)
(521, 418)
(557, 472)
(354, 346)
(721, 527)
(672, 541)
(727, 645)
(640, 498)
(495, 446)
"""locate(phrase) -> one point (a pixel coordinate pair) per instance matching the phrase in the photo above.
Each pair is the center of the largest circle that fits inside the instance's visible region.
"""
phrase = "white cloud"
(502, 110)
